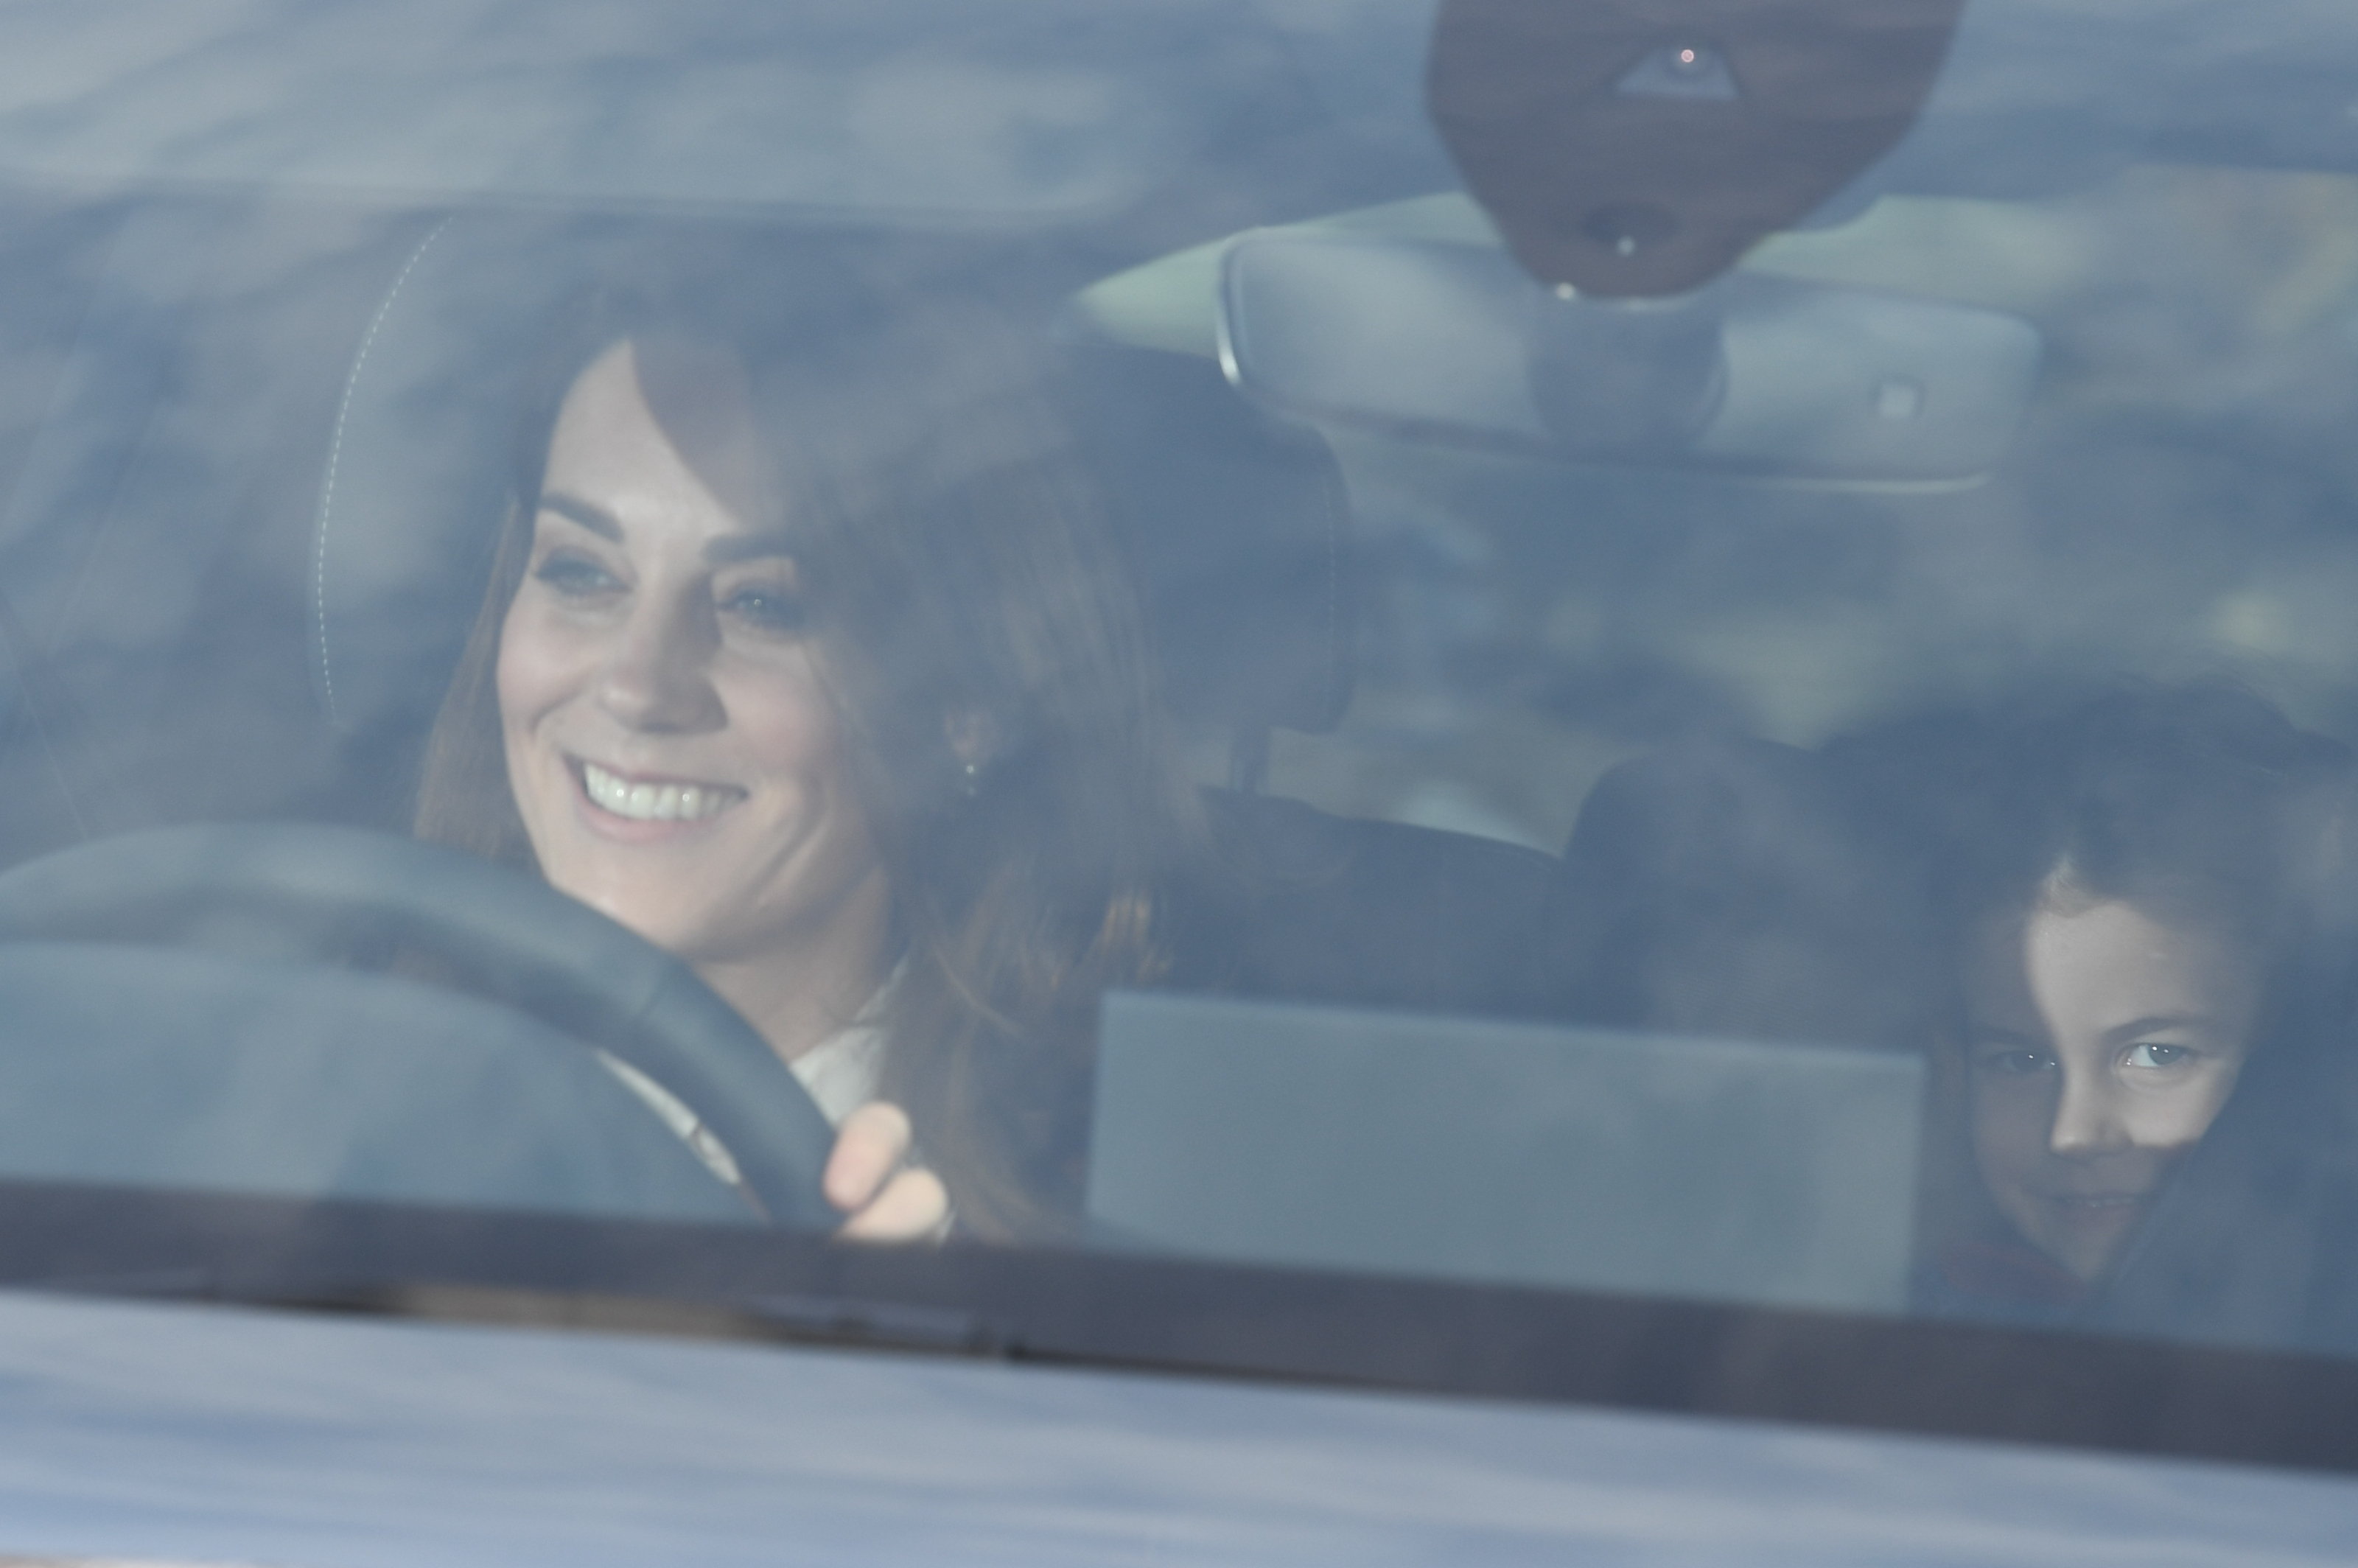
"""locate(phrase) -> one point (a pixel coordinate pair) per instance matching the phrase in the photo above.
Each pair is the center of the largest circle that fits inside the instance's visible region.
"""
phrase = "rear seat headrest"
(1728, 887)
(1236, 529)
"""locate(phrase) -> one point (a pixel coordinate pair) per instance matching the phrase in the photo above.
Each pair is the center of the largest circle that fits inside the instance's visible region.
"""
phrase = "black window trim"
(1877, 1374)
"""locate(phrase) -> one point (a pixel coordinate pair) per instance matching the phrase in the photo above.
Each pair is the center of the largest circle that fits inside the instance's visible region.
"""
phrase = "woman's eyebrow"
(1991, 1034)
(572, 508)
(733, 547)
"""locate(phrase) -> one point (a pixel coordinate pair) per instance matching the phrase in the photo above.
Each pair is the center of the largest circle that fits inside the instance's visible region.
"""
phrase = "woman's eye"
(575, 577)
(2017, 1063)
(776, 610)
(2150, 1054)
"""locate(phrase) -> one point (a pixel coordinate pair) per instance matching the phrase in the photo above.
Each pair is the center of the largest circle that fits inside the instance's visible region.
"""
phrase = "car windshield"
(1356, 661)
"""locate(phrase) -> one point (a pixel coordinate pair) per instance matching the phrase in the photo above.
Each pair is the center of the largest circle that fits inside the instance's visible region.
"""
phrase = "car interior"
(1518, 691)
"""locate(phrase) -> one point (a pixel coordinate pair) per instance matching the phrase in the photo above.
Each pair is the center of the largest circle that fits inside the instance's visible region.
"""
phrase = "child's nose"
(2088, 1119)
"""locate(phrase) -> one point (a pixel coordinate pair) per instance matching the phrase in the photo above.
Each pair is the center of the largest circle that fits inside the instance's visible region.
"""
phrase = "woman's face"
(2099, 1043)
(672, 746)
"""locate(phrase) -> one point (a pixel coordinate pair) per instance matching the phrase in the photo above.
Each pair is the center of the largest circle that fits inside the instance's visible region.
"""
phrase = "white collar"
(841, 1072)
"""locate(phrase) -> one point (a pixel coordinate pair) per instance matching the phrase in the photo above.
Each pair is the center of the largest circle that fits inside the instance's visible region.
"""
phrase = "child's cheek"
(2176, 1117)
(2012, 1123)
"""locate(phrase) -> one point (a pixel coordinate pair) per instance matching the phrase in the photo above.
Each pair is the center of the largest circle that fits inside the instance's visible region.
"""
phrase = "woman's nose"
(2087, 1119)
(657, 673)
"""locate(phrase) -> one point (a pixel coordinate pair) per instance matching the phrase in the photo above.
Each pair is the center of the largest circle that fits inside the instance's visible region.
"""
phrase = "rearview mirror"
(1755, 374)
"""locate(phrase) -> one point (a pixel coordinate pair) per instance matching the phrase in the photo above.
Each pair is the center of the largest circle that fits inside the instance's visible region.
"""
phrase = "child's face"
(2099, 1045)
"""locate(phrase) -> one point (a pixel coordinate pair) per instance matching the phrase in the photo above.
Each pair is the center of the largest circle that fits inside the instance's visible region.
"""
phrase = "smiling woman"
(819, 672)
(670, 741)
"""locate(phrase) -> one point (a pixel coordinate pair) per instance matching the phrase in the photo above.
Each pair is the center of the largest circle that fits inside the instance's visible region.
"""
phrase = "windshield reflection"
(954, 670)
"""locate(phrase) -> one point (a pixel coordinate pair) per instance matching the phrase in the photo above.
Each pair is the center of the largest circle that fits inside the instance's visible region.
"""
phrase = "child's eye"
(767, 607)
(2017, 1063)
(2150, 1053)
(575, 577)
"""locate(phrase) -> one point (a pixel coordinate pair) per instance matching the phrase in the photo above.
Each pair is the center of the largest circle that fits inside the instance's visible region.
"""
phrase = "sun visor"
(934, 109)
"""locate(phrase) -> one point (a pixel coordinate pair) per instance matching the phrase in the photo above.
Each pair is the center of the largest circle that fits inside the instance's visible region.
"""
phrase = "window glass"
(1082, 629)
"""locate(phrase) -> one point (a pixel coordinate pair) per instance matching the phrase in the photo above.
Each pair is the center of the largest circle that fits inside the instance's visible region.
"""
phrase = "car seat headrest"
(415, 485)
(1728, 887)
(1236, 530)
(1235, 526)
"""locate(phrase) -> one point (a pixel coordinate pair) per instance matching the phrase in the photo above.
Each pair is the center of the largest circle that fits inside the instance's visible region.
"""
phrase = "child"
(2130, 893)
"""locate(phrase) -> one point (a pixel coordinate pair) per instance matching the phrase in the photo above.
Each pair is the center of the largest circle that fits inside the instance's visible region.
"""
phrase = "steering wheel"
(333, 894)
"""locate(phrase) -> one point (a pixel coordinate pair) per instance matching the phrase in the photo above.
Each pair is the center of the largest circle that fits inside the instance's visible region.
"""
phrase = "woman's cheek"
(538, 670)
(530, 671)
(781, 714)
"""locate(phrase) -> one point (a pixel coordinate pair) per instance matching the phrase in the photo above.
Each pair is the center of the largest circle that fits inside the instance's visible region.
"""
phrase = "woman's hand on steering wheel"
(869, 1178)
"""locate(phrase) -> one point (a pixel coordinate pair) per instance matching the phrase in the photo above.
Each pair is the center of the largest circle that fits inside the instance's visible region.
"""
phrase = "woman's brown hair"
(964, 582)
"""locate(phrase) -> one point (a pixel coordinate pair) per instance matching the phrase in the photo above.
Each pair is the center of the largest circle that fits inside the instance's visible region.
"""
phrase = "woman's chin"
(668, 911)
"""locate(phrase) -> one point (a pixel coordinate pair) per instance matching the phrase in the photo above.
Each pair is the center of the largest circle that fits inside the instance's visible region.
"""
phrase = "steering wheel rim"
(326, 893)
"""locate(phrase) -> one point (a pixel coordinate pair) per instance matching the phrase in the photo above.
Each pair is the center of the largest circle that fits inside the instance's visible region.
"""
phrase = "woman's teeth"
(655, 802)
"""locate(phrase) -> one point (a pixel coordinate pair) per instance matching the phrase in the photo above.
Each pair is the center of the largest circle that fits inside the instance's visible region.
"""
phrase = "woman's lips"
(2095, 1203)
(653, 800)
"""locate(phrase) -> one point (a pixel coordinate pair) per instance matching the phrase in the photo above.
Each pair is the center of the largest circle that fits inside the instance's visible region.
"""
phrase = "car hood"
(219, 1434)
